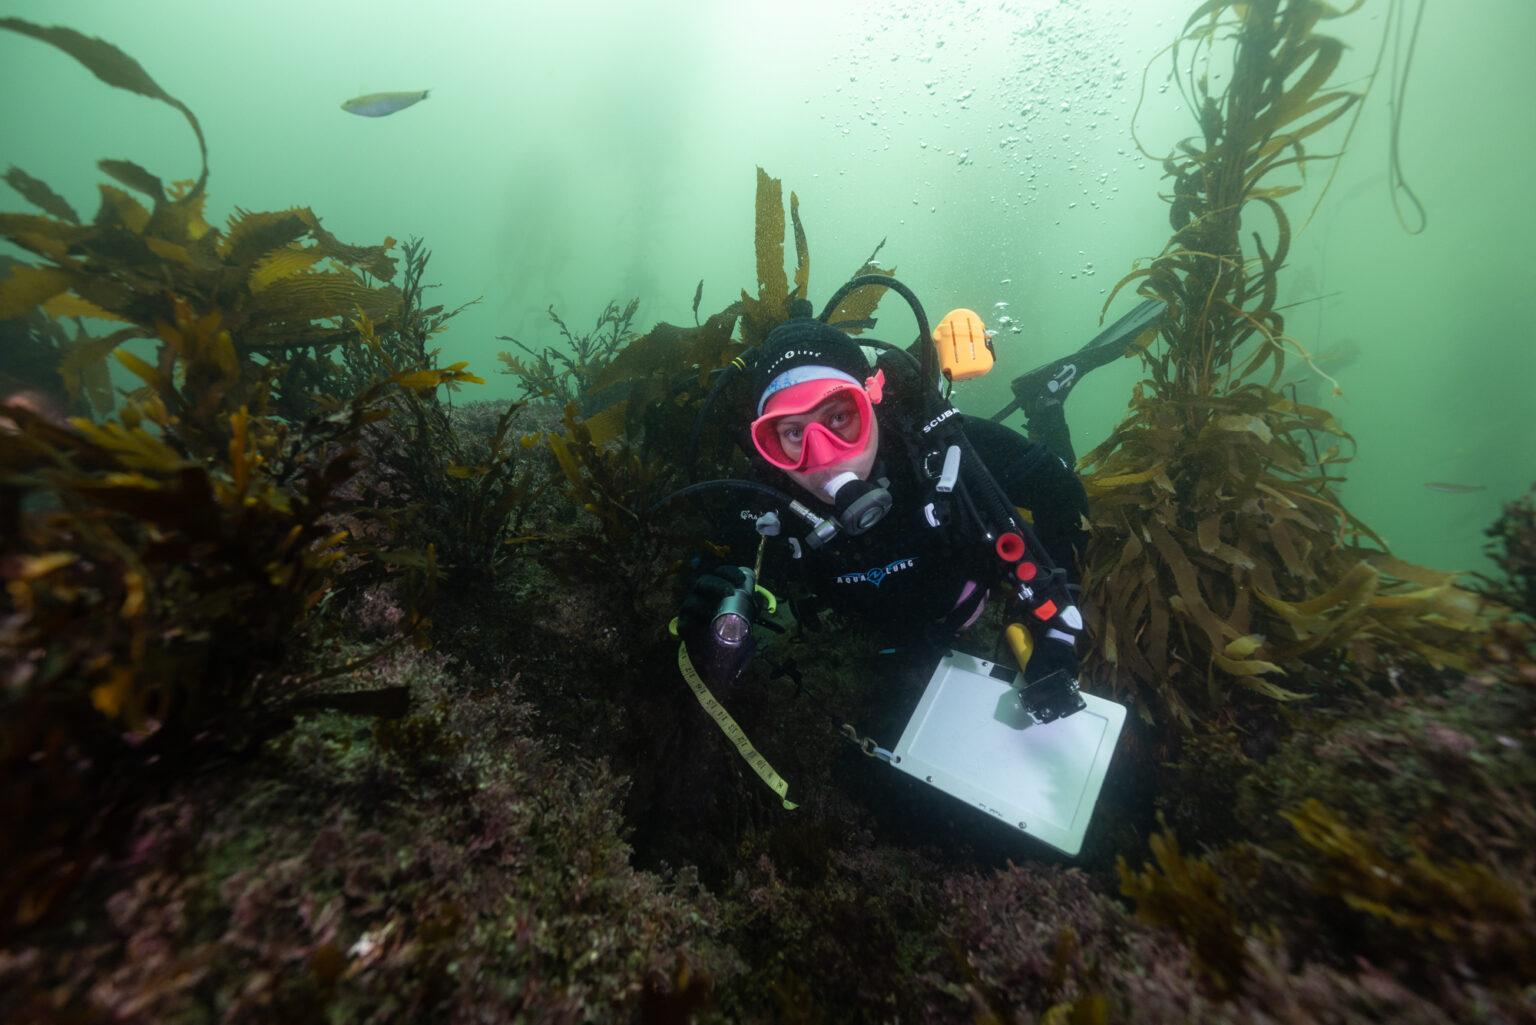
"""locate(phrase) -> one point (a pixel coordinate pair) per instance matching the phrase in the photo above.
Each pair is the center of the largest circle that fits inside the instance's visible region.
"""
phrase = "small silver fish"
(1454, 489)
(382, 104)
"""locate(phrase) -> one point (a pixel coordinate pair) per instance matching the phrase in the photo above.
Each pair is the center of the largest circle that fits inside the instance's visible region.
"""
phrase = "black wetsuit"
(904, 578)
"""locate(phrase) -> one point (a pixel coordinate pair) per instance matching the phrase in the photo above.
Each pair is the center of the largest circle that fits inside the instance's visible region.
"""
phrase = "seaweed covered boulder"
(440, 867)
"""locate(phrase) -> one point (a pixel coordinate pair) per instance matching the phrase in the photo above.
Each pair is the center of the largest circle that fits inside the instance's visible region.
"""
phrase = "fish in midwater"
(382, 104)
(1454, 489)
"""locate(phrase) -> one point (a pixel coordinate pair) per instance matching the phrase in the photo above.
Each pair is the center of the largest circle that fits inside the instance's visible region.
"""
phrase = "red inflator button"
(1045, 610)
(1026, 571)
(1010, 547)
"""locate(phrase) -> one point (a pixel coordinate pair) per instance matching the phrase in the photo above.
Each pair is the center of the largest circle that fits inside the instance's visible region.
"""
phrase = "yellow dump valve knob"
(1020, 643)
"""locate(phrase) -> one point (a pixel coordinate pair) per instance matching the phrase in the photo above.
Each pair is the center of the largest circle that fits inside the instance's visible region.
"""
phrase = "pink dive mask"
(820, 445)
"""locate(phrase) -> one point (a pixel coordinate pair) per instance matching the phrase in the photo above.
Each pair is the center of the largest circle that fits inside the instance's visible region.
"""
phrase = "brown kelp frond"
(762, 312)
(161, 600)
(651, 389)
(621, 447)
(41, 196)
(615, 534)
(400, 340)
(1475, 910)
(167, 571)
(113, 67)
(802, 251)
(56, 364)
(148, 267)
(612, 483)
(772, 282)
(771, 306)
(1221, 554)
(1187, 896)
(856, 312)
(163, 268)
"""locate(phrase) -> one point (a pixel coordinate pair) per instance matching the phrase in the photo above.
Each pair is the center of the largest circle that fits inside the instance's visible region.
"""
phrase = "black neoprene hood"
(806, 342)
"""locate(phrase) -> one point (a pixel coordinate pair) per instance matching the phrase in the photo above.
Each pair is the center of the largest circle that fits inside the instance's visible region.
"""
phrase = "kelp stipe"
(1221, 554)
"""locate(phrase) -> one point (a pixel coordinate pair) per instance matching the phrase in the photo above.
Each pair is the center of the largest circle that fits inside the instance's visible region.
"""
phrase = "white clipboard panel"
(971, 738)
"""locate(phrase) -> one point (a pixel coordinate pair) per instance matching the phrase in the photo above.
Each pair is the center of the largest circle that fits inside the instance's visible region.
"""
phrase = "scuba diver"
(918, 515)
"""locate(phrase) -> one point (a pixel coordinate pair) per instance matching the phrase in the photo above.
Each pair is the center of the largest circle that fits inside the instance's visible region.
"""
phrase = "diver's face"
(839, 415)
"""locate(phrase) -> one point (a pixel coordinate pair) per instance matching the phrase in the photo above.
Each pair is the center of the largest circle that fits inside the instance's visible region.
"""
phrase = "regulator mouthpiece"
(860, 504)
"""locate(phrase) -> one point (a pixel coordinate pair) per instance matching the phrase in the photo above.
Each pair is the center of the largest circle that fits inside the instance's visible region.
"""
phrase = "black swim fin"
(1051, 382)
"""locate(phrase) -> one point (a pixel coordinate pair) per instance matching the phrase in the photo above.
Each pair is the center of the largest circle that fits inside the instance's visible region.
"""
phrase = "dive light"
(732, 622)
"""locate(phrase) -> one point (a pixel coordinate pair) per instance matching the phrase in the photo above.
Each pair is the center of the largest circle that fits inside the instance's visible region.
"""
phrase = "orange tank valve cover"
(964, 349)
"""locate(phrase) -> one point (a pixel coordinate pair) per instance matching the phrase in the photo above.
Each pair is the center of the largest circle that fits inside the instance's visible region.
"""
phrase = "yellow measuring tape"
(733, 732)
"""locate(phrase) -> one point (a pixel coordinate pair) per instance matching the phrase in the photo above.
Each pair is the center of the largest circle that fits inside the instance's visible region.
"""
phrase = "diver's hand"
(1051, 656)
(719, 651)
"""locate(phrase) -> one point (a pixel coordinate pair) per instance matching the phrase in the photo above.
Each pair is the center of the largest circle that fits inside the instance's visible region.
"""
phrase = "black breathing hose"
(929, 360)
(726, 482)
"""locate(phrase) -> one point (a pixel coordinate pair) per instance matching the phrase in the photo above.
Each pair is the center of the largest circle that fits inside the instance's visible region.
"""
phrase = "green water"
(583, 151)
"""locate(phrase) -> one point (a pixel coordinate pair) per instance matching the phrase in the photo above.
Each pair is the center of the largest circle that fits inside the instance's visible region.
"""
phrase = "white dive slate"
(971, 738)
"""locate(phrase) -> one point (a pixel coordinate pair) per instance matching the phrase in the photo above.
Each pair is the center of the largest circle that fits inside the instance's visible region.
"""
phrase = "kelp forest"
(334, 693)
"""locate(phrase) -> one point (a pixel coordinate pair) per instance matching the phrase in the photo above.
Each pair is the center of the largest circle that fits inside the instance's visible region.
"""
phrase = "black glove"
(1050, 681)
(707, 591)
(723, 589)
(1050, 656)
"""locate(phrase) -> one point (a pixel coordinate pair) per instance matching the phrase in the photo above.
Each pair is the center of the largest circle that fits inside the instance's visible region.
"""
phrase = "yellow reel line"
(733, 732)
